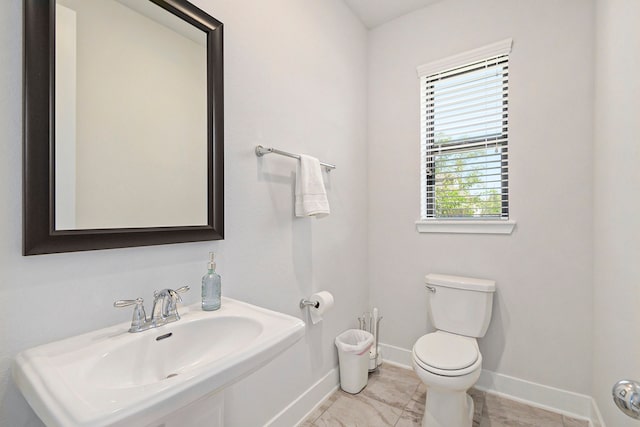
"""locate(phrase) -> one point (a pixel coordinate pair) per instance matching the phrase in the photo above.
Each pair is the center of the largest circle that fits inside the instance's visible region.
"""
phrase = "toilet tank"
(460, 305)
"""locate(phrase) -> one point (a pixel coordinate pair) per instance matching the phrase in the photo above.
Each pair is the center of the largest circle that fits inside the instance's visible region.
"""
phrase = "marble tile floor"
(395, 397)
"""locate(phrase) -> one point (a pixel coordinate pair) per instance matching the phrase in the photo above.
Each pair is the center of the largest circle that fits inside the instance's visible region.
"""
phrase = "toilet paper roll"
(325, 303)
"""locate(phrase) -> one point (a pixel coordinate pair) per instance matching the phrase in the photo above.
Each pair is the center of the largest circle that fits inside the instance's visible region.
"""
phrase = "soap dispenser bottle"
(211, 287)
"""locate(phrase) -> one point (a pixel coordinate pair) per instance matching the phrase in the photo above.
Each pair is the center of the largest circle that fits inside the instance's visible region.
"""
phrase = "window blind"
(464, 128)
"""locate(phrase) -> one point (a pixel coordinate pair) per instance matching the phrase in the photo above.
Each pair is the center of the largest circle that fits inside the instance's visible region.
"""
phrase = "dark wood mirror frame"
(39, 234)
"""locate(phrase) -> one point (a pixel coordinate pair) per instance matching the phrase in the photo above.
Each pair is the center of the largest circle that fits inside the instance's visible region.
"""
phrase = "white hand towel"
(311, 197)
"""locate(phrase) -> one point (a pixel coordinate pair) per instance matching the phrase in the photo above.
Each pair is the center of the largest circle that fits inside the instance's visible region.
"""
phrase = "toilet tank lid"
(459, 282)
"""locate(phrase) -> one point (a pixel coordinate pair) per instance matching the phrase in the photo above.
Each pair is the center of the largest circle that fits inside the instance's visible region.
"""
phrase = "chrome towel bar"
(261, 151)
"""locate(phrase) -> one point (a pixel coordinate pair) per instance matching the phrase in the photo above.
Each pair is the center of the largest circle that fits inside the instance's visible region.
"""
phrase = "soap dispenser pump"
(211, 286)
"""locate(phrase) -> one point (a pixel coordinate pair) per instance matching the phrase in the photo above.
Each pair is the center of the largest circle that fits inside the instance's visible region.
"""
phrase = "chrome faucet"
(165, 305)
(164, 310)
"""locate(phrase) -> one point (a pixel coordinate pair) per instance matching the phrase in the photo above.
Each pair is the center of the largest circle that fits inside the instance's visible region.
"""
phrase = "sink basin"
(113, 377)
(159, 356)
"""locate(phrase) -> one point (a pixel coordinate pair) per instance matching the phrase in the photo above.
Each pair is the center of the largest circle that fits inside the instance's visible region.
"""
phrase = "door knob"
(626, 395)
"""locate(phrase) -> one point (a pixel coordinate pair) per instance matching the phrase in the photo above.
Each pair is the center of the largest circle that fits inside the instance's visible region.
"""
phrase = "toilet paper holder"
(308, 303)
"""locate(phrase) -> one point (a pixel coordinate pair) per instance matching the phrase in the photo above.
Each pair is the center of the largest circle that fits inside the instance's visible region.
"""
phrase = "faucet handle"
(180, 290)
(127, 302)
(139, 319)
(173, 293)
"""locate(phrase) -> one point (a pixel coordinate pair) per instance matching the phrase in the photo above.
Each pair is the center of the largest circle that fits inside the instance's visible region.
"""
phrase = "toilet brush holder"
(370, 322)
(374, 357)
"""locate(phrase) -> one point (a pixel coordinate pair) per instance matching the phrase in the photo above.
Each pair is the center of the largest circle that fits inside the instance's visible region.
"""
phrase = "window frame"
(428, 222)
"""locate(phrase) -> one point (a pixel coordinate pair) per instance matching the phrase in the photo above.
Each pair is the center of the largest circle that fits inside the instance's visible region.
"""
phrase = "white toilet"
(448, 361)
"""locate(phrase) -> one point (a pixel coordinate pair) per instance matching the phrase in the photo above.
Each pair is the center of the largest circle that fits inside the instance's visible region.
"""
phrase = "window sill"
(466, 227)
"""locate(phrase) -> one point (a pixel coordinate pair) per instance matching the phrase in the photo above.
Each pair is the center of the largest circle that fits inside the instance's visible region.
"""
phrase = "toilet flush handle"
(431, 289)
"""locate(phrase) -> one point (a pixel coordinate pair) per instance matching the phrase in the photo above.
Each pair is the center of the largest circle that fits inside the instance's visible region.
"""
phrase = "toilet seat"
(446, 354)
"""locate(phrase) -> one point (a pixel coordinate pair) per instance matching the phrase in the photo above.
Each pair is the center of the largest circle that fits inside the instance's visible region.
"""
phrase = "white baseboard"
(557, 400)
(596, 416)
(538, 395)
(298, 410)
(396, 355)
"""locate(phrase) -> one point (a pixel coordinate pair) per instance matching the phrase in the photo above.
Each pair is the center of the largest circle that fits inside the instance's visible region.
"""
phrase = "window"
(464, 136)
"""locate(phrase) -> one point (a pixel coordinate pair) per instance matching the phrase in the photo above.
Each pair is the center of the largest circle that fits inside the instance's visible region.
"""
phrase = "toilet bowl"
(448, 365)
(448, 361)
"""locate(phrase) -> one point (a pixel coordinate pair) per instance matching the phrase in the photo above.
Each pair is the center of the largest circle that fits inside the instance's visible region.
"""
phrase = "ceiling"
(376, 12)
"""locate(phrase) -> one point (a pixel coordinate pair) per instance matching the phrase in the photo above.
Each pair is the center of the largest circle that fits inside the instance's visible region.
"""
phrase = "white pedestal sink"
(111, 377)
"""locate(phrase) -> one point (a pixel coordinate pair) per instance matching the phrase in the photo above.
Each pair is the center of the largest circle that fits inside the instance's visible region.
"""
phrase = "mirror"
(130, 115)
(123, 124)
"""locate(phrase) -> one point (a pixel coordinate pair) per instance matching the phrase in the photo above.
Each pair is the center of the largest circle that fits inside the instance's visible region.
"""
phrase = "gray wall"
(616, 202)
(543, 306)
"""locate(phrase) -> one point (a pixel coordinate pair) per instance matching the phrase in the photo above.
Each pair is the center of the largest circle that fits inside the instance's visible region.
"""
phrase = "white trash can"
(353, 355)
